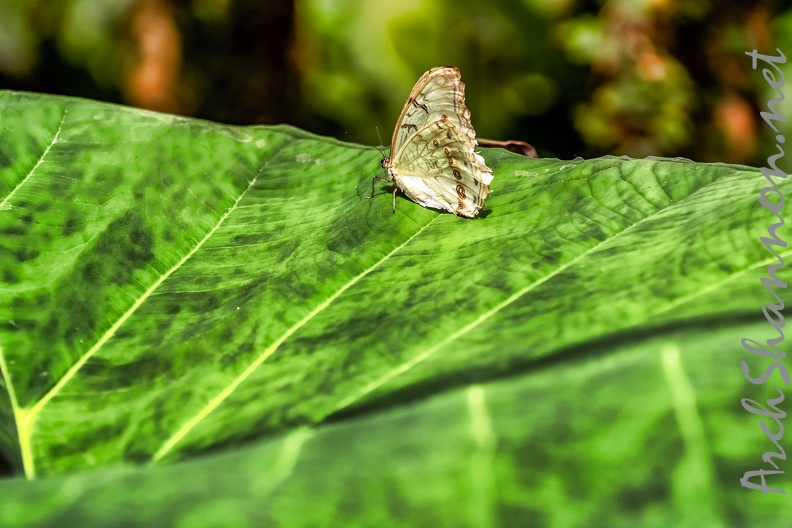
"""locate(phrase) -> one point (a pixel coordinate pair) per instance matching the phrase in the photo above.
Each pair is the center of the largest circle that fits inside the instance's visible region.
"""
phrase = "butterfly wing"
(438, 95)
(438, 167)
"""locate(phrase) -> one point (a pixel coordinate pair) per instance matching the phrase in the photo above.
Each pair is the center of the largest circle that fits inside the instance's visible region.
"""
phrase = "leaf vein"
(712, 287)
(26, 417)
(225, 393)
(5, 203)
(367, 389)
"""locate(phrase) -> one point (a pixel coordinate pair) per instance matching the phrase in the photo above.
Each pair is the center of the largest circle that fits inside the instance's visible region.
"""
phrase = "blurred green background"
(572, 77)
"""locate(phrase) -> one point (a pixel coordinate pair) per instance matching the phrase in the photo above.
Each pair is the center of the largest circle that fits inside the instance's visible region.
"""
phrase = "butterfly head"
(384, 162)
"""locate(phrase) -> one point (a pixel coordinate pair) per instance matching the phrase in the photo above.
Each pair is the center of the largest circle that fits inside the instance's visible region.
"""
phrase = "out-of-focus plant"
(86, 35)
(643, 101)
(782, 28)
(358, 61)
(644, 77)
(647, 77)
(670, 77)
(225, 60)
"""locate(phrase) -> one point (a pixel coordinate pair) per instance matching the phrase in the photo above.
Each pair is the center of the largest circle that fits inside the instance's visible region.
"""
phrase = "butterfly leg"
(374, 179)
(394, 199)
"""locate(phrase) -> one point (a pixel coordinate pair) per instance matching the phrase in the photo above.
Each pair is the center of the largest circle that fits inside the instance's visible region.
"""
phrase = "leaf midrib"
(5, 204)
(26, 417)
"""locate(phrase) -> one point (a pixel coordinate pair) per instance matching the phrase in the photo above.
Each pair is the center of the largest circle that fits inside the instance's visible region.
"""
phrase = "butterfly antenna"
(361, 139)
(378, 136)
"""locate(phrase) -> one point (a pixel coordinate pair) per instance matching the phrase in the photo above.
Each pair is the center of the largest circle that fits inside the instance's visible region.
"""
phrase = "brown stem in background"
(512, 145)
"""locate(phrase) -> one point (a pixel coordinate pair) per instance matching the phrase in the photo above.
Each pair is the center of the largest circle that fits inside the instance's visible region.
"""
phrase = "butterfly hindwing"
(438, 168)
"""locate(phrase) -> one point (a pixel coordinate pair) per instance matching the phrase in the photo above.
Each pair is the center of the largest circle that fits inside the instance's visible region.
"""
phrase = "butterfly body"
(433, 159)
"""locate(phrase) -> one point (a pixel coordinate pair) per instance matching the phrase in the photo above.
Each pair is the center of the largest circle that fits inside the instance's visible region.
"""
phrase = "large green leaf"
(591, 441)
(172, 287)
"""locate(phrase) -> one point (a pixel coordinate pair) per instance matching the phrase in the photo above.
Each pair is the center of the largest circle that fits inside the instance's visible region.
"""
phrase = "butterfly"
(433, 160)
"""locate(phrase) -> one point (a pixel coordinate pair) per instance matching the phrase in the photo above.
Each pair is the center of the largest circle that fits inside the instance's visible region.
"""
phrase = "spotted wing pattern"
(439, 168)
(439, 92)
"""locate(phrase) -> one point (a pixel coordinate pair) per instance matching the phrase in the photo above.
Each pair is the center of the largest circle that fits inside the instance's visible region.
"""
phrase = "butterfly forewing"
(438, 94)
(432, 151)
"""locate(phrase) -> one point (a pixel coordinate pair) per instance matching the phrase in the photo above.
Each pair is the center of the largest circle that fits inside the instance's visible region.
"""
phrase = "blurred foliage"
(635, 77)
